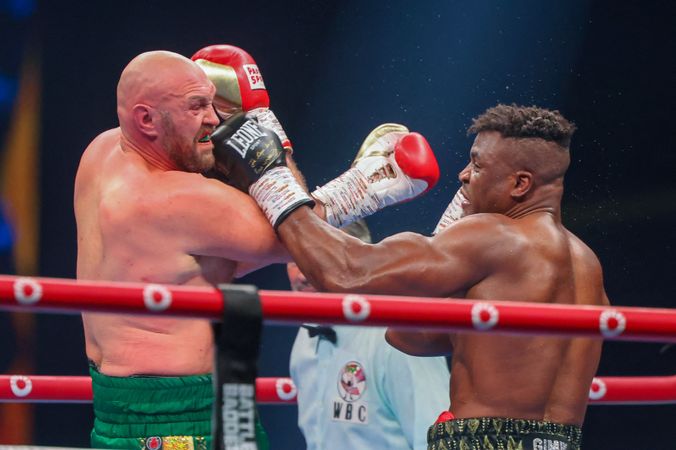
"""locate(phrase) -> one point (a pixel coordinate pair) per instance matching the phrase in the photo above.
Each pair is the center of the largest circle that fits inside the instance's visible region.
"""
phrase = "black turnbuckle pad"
(237, 339)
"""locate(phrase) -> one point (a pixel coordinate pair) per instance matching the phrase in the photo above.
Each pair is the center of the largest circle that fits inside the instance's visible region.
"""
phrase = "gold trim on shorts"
(174, 443)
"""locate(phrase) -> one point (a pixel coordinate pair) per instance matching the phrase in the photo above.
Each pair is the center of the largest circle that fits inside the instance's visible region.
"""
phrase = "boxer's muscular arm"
(403, 264)
(246, 267)
(297, 174)
(420, 343)
(218, 220)
(291, 164)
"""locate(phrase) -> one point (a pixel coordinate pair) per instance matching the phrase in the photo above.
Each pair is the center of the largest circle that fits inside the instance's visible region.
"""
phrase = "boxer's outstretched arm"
(420, 343)
(298, 175)
(291, 164)
(403, 264)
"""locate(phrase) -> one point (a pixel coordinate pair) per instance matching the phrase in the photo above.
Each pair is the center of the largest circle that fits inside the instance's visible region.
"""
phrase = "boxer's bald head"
(151, 77)
(164, 104)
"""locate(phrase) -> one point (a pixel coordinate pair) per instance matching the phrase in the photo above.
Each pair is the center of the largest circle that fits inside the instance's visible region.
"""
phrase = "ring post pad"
(237, 340)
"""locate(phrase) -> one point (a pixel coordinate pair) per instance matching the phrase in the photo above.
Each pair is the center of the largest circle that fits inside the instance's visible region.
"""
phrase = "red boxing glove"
(392, 166)
(239, 85)
(416, 159)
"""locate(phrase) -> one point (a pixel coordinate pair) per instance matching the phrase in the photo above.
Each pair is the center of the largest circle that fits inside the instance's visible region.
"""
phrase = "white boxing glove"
(453, 212)
(393, 165)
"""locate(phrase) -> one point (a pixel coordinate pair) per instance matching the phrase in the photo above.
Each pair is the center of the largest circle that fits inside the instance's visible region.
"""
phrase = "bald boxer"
(145, 213)
(507, 391)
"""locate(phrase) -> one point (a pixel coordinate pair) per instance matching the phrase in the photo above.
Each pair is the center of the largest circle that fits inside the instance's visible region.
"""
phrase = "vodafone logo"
(156, 297)
(356, 308)
(285, 388)
(612, 323)
(598, 389)
(27, 291)
(21, 386)
(484, 316)
(254, 76)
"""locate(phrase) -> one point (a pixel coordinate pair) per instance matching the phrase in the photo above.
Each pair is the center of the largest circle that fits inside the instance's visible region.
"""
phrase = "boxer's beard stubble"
(183, 152)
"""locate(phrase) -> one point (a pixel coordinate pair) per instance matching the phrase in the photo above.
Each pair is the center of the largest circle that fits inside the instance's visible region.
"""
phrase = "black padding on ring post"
(237, 340)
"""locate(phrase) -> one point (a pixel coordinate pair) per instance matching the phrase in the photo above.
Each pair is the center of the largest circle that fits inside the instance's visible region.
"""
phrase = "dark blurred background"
(335, 70)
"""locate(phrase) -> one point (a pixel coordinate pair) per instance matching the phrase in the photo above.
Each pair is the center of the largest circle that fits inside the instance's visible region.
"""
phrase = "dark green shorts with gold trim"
(155, 413)
(494, 433)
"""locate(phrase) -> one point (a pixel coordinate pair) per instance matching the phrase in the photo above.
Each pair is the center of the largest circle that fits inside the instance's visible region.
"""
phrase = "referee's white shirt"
(362, 393)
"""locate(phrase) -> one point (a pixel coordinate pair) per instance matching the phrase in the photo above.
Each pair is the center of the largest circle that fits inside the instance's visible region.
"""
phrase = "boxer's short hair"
(525, 122)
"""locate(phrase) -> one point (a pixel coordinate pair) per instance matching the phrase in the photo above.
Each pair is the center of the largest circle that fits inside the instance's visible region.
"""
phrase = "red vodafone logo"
(27, 291)
(484, 316)
(598, 389)
(20, 385)
(356, 308)
(156, 297)
(612, 323)
(285, 388)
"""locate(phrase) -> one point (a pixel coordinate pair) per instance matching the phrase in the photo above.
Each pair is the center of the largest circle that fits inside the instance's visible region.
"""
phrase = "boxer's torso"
(119, 202)
(531, 377)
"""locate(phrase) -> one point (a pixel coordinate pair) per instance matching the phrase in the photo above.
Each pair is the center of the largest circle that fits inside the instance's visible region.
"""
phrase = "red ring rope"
(620, 323)
(78, 389)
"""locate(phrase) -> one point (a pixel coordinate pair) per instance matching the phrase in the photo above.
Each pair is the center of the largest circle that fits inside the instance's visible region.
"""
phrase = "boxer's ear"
(144, 119)
(523, 183)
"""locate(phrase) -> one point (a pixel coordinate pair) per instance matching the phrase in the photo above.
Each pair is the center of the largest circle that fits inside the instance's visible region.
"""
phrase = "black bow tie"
(327, 333)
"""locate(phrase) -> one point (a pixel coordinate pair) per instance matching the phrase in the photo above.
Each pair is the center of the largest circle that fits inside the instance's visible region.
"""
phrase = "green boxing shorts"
(495, 433)
(155, 413)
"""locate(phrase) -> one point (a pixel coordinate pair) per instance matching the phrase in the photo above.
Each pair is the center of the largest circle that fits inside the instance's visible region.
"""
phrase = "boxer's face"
(188, 118)
(297, 279)
(486, 179)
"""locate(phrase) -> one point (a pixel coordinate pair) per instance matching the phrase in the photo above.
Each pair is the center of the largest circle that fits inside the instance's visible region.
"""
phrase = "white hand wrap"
(453, 213)
(347, 198)
(267, 118)
(278, 194)
(374, 182)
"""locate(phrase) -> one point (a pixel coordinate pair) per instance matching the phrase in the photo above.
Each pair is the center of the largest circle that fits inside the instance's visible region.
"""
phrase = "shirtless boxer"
(145, 213)
(506, 391)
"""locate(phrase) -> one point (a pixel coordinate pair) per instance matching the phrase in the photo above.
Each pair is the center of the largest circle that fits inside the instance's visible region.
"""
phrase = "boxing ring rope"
(78, 389)
(275, 391)
(441, 314)
(75, 296)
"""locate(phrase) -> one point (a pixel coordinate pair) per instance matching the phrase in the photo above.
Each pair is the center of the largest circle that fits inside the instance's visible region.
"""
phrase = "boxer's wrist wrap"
(267, 118)
(278, 194)
(347, 198)
(453, 213)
